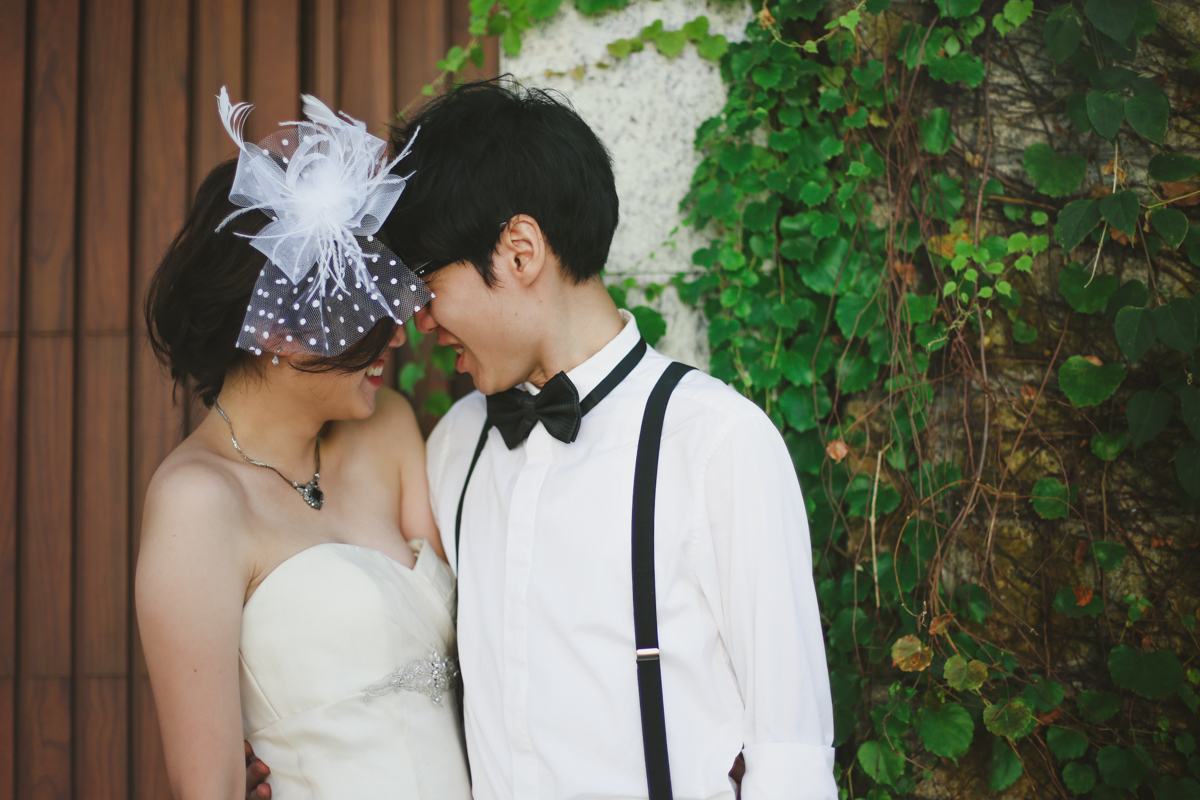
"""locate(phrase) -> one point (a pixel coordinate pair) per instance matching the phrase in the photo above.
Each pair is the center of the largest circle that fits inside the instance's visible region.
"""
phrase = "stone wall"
(646, 109)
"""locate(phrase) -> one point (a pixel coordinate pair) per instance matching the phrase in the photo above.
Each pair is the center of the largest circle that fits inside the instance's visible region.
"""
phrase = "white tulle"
(327, 187)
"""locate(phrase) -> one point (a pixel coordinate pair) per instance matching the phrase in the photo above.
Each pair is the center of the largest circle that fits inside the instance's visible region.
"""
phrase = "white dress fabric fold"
(348, 677)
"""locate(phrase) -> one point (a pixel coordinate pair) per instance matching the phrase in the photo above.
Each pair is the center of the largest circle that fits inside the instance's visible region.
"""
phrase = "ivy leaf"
(1132, 293)
(1135, 330)
(963, 67)
(1123, 769)
(1010, 719)
(1172, 167)
(1085, 384)
(958, 8)
(541, 9)
(510, 40)
(713, 47)
(1051, 499)
(910, 654)
(1054, 174)
(1017, 11)
(1099, 706)
(936, 136)
(1148, 413)
(1066, 601)
(1077, 112)
(947, 731)
(1171, 225)
(802, 411)
(1076, 221)
(1085, 293)
(1065, 743)
(1062, 32)
(1107, 446)
(1189, 398)
(1187, 467)
(1152, 675)
(697, 29)
(1112, 17)
(1120, 210)
(1109, 555)
(881, 763)
(963, 675)
(1079, 778)
(856, 316)
(1175, 323)
(826, 264)
(650, 323)
(1106, 112)
(1006, 766)
(671, 43)
(1148, 114)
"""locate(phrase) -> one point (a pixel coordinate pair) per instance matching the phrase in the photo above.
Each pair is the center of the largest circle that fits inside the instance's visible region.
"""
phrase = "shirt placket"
(518, 556)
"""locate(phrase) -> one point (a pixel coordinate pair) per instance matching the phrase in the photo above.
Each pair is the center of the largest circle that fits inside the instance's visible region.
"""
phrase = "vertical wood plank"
(12, 137)
(107, 150)
(272, 65)
(102, 496)
(421, 40)
(160, 197)
(49, 300)
(102, 763)
(366, 63)
(9, 347)
(321, 50)
(218, 61)
(44, 767)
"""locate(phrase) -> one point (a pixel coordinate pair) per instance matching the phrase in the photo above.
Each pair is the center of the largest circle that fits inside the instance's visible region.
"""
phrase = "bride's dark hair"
(197, 298)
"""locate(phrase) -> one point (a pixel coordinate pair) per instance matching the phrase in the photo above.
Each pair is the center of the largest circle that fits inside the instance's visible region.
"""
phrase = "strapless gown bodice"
(346, 677)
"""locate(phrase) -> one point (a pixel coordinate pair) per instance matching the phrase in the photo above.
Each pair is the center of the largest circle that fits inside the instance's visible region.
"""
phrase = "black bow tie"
(557, 406)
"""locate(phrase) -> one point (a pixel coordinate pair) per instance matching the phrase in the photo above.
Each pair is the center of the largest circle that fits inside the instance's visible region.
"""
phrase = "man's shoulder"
(464, 419)
(706, 401)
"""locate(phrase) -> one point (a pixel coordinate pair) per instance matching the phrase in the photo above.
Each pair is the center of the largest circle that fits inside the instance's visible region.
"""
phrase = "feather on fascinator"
(327, 187)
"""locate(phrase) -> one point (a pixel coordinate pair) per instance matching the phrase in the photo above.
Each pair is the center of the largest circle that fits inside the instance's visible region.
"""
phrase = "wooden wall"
(109, 123)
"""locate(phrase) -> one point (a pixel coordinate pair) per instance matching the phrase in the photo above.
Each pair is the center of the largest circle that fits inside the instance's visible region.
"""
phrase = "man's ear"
(522, 252)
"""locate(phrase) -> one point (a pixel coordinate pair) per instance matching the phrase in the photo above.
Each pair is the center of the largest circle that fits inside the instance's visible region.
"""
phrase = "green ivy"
(870, 279)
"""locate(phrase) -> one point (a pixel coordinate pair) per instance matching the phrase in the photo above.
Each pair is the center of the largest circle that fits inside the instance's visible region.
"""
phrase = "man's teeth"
(458, 350)
(375, 370)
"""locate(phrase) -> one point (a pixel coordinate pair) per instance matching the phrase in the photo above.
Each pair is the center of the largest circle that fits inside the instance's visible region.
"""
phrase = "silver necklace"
(311, 491)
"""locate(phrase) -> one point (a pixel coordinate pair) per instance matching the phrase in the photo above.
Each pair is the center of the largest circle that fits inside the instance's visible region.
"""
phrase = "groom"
(509, 218)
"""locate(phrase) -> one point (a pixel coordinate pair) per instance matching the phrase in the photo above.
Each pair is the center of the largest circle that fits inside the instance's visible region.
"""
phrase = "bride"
(290, 588)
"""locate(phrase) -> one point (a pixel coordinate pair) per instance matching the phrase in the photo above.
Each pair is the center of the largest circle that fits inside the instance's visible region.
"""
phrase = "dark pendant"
(312, 494)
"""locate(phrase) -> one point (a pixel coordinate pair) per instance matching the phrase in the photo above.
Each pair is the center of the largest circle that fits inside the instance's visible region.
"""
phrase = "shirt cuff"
(788, 771)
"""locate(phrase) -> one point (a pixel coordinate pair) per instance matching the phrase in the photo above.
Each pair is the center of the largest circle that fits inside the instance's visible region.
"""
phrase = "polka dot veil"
(326, 186)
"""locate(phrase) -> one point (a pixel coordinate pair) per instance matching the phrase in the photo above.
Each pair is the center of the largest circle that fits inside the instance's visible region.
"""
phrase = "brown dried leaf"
(1047, 717)
(1083, 595)
(940, 624)
(1081, 549)
(910, 655)
(1099, 191)
(1094, 360)
(837, 450)
(765, 18)
(1028, 392)
(944, 245)
(904, 270)
(1184, 190)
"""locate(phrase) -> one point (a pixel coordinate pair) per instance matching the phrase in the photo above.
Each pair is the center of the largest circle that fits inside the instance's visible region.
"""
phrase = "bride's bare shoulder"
(193, 489)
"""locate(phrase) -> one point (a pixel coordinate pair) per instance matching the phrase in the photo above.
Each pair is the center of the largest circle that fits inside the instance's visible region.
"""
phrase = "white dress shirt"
(545, 608)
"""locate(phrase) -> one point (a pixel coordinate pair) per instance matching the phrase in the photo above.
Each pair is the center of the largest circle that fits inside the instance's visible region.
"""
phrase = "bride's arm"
(416, 513)
(190, 588)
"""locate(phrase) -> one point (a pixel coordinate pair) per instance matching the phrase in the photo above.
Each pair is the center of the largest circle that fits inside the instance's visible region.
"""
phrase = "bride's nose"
(424, 320)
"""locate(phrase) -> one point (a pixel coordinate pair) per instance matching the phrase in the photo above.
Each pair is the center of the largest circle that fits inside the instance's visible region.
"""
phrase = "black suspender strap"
(483, 437)
(645, 611)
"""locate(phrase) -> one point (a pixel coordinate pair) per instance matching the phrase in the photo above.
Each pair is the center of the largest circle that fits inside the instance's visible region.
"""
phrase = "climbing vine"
(953, 252)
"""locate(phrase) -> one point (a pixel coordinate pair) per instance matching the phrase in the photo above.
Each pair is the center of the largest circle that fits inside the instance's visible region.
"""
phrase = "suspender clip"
(647, 654)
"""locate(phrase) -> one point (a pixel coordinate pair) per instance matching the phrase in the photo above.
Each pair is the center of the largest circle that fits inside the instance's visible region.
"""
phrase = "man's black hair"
(490, 150)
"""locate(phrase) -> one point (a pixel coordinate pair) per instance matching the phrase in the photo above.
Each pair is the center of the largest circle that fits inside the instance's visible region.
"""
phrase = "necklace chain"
(311, 491)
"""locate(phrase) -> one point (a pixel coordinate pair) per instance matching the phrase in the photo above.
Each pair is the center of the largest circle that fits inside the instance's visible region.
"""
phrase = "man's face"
(491, 329)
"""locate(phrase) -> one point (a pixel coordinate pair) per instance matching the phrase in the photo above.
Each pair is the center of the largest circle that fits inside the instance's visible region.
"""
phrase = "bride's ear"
(522, 251)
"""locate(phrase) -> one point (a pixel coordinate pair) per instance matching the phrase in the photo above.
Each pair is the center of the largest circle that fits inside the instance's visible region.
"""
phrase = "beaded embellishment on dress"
(430, 676)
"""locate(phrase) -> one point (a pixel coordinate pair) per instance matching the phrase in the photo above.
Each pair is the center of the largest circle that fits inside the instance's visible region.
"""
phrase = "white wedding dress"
(346, 679)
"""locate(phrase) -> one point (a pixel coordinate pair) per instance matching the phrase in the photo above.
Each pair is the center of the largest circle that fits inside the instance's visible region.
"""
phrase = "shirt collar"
(588, 375)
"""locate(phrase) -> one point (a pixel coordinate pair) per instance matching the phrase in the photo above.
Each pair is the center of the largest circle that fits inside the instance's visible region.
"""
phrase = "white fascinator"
(327, 186)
